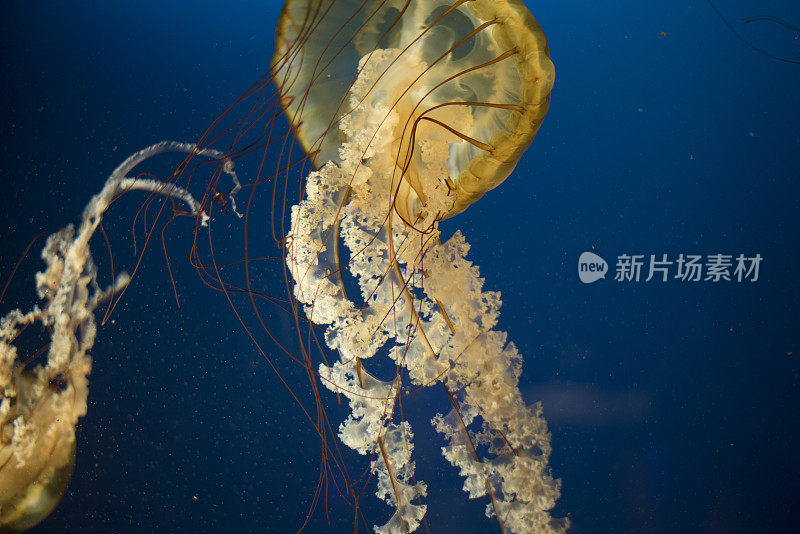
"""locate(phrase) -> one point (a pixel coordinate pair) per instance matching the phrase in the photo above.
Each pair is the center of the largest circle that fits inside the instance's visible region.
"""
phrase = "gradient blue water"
(673, 406)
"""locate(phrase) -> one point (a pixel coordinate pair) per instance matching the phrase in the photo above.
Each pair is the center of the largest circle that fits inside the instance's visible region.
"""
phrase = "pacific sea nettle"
(411, 111)
(40, 406)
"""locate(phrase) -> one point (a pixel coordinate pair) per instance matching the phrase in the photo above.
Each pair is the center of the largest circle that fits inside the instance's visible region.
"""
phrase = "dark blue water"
(672, 405)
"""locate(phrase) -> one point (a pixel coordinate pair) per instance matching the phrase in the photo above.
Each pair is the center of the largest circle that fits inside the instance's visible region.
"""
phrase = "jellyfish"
(408, 112)
(410, 117)
(40, 407)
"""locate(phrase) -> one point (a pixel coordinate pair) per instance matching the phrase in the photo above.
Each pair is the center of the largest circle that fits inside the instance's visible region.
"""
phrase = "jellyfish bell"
(40, 406)
(475, 74)
(31, 489)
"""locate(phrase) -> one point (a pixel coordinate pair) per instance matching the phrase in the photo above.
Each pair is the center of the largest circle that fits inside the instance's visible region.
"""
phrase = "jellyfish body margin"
(406, 114)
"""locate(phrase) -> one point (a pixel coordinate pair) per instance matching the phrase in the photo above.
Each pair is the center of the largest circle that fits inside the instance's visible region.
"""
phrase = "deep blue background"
(673, 406)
